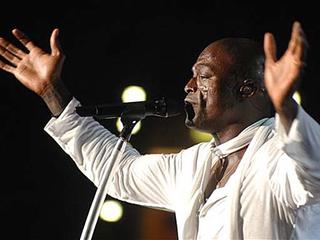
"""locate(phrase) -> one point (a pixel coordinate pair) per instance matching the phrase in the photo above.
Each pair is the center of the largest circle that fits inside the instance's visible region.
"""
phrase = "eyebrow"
(199, 65)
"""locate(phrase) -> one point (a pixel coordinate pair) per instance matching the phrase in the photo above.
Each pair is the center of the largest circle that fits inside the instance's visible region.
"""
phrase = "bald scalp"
(244, 59)
(246, 56)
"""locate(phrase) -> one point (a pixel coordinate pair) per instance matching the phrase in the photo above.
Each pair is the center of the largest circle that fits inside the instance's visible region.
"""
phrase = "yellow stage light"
(111, 211)
(136, 128)
(133, 94)
(198, 136)
(297, 97)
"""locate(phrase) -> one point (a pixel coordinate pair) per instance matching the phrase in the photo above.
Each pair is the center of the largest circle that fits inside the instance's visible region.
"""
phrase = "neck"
(232, 130)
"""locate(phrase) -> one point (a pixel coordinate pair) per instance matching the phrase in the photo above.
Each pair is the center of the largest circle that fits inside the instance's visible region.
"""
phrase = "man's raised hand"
(33, 67)
(283, 75)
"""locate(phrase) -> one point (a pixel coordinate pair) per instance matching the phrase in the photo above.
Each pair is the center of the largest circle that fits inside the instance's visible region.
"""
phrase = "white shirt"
(212, 214)
(274, 193)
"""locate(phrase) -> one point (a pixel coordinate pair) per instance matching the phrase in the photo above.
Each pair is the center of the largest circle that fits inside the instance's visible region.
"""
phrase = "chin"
(189, 123)
(196, 124)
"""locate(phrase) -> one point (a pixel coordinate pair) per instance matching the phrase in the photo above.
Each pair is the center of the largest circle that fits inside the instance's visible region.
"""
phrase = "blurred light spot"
(297, 97)
(111, 211)
(133, 94)
(198, 136)
(136, 128)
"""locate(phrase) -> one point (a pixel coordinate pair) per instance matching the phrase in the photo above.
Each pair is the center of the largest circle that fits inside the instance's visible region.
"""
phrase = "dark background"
(109, 46)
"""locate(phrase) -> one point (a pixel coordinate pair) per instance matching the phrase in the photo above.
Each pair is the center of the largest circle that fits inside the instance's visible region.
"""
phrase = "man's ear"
(247, 89)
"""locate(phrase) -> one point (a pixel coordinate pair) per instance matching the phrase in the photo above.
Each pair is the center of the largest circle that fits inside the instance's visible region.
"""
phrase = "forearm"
(56, 96)
(302, 141)
(87, 142)
(299, 165)
(287, 113)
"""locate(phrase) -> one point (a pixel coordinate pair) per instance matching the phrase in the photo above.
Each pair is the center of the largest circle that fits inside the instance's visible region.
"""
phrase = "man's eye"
(203, 77)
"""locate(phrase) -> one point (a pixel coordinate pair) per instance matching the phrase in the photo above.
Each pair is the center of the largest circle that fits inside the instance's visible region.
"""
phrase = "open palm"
(35, 69)
(282, 76)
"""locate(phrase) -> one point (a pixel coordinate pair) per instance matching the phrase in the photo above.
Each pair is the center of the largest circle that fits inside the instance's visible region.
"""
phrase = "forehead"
(213, 58)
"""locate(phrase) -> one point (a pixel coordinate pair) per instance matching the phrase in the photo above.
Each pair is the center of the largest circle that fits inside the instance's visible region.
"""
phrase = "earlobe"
(247, 89)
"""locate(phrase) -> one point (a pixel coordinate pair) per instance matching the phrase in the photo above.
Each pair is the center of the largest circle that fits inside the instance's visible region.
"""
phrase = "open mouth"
(189, 110)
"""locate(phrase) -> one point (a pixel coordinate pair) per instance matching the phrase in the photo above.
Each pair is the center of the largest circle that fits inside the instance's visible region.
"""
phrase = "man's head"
(227, 86)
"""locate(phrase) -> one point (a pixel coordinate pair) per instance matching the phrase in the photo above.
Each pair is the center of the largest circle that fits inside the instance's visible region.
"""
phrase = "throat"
(222, 171)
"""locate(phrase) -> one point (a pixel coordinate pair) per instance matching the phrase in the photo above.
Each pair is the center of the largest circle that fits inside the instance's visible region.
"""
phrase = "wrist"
(287, 113)
(288, 108)
(56, 96)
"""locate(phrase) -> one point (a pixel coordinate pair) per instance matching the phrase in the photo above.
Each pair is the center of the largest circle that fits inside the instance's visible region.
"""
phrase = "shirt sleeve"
(299, 166)
(141, 179)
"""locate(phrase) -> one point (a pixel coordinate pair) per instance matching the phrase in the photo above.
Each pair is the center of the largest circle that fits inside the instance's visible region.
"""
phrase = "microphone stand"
(128, 124)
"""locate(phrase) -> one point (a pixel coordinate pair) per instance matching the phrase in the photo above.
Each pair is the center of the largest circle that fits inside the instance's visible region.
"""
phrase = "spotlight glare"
(133, 94)
(111, 211)
(297, 97)
(136, 128)
(198, 136)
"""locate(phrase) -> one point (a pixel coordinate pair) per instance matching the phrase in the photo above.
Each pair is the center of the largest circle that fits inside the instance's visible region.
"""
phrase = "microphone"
(138, 110)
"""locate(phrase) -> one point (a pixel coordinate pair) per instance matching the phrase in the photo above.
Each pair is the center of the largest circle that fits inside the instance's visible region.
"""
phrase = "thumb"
(54, 42)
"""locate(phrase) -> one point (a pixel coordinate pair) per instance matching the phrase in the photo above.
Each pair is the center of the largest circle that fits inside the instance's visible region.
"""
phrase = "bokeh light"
(297, 97)
(136, 128)
(133, 94)
(198, 136)
(111, 211)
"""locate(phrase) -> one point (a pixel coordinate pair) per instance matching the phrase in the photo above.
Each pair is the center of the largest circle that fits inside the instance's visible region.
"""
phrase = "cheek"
(228, 98)
(212, 96)
(203, 90)
(202, 95)
(208, 102)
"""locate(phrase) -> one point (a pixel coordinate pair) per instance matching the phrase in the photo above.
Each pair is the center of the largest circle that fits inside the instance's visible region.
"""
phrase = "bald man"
(259, 177)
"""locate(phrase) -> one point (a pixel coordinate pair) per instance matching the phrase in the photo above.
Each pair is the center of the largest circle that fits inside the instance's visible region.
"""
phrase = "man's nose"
(191, 86)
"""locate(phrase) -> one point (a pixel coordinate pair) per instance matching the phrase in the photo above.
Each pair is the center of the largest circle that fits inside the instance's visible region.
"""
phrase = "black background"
(108, 46)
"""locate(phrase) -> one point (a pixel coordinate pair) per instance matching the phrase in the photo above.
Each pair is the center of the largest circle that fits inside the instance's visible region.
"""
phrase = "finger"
(298, 50)
(13, 49)
(9, 56)
(7, 67)
(270, 48)
(295, 37)
(23, 39)
(301, 49)
(298, 45)
(55, 43)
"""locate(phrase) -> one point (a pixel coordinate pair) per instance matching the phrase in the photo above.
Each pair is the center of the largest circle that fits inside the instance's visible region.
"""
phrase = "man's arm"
(56, 97)
(283, 75)
(148, 180)
(37, 70)
(298, 133)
